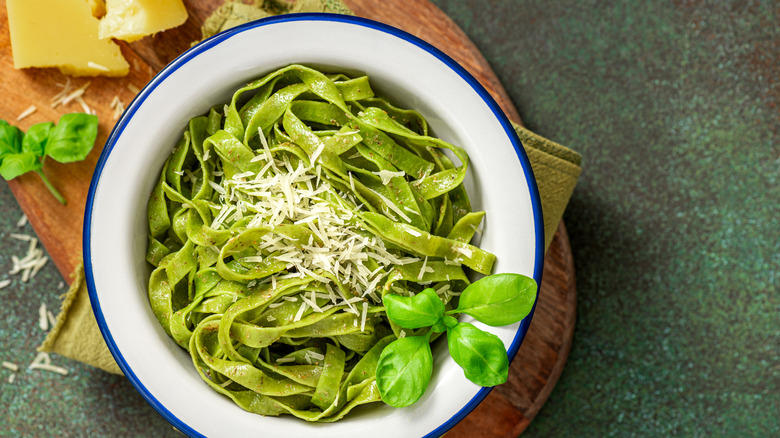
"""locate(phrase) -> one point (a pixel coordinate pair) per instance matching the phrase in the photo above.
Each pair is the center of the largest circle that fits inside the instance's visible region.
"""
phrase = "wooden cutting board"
(509, 408)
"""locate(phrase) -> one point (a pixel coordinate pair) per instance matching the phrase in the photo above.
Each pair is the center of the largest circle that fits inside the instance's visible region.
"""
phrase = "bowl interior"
(406, 70)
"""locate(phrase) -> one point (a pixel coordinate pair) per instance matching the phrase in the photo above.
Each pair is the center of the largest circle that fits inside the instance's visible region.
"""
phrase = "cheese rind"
(131, 20)
(98, 8)
(61, 34)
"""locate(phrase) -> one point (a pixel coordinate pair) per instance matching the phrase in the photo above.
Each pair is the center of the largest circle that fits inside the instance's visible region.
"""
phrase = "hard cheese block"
(62, 34)
(130, 20)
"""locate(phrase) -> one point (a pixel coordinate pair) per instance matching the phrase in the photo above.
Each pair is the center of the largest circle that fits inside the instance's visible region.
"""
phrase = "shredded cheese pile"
(282, 193)
(32, 262)
(27, 267)
(68, 94)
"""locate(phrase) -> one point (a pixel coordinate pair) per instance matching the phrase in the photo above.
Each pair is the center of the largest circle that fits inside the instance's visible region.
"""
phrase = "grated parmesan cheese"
(84, 106)
(97, 66)
(363, 317)
(43, 362)
(413, 232)
(314, 355)
(301, 309)
(52, 319)
(463, 250)
(11, 366)
(387, 175)
(422, 269)
(66, 96)
(391, 205)
(118, 107)
(286, 192)
(57, 98)
(26, 112)
(411, 210)
(4, 283)
(32, 262)
(22, 221)
(43, 319)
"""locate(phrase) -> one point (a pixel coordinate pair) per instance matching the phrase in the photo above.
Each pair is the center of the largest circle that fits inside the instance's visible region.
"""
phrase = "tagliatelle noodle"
(279, 222)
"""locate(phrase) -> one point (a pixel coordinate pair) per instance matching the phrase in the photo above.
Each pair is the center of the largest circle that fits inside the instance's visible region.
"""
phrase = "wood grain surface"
(509, 408)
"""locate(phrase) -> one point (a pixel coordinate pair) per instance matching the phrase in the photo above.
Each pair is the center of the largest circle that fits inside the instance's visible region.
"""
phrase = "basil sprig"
(405, 365)
(70, 140)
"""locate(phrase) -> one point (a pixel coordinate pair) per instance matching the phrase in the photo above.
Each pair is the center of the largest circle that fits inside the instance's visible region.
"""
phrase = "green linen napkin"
(556, 168)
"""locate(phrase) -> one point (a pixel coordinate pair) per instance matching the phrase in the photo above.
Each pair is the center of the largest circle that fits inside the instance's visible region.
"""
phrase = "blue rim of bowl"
(216, 40)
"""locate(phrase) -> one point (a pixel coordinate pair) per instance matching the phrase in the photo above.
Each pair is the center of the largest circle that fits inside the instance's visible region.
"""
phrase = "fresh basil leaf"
(481, 354)
(10, 139)
(404, 370)
(422, 310)
(499, 299)
(35, 139)
(72, 138)
(16, 164)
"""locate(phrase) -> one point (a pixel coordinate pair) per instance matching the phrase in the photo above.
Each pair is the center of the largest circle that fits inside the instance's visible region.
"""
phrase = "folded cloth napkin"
(76, 334)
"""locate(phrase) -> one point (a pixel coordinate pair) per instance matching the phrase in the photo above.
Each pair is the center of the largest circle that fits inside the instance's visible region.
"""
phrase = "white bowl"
(411, 73)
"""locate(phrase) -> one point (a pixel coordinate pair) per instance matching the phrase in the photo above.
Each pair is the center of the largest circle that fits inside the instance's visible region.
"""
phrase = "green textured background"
(675, 224)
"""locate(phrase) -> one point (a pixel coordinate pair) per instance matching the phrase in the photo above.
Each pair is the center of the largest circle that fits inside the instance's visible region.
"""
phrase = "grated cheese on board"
(26, 112)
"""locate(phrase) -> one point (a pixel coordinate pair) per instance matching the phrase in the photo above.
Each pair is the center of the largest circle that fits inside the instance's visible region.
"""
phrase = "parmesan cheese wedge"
(131, 20)
(61, 34)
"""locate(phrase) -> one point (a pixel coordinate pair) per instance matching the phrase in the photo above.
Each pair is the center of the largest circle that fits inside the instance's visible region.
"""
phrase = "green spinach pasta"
(279, 222)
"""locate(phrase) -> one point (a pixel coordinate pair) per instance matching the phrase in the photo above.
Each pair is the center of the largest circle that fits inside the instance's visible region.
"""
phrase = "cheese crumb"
(422, 269)
(315, 355)
(26, 112)
(52, 319)
(413, 232)
(363, 318)
(84, 107)
(11, 366)
(66, 96)
(97, 66)
(387, 175)
(463, 250)
(43, 320)
(43, 362)
(31, 263)
(118, 107)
